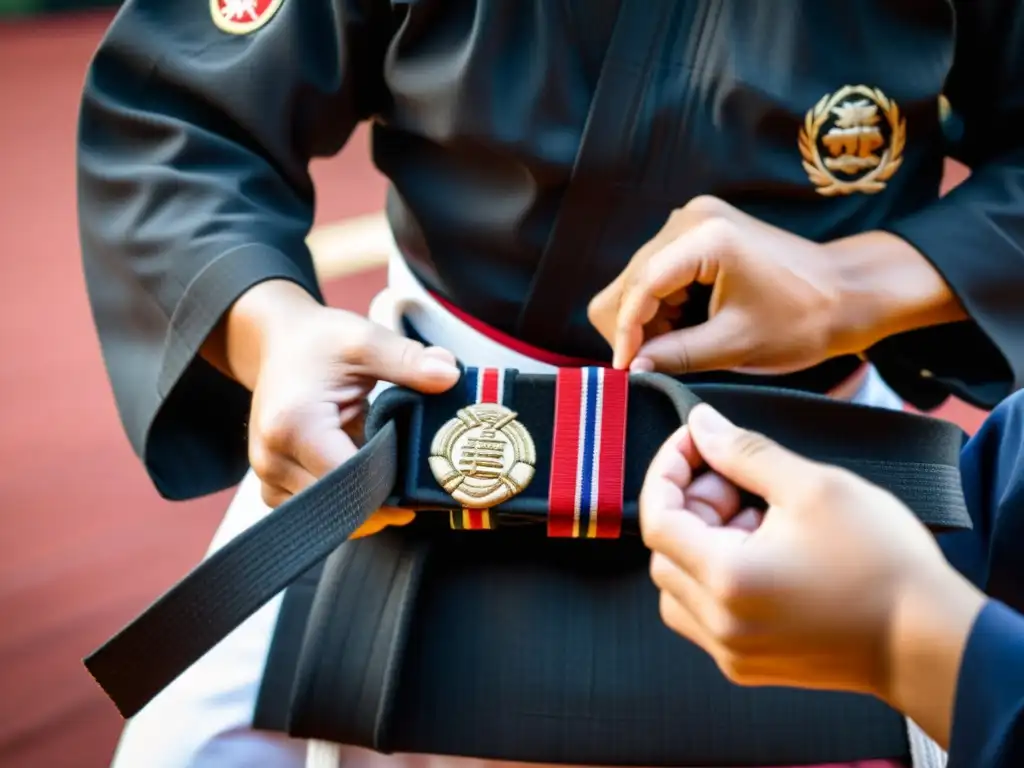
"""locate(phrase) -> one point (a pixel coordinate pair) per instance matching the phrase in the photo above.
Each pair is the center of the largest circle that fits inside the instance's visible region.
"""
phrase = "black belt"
(914, 457)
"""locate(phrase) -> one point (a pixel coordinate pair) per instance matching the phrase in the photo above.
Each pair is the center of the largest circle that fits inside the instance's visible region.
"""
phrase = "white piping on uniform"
(924, 753)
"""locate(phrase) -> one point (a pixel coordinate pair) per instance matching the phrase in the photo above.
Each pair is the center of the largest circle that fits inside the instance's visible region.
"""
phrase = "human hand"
(312, 368)
(778, 302)
(839, 587)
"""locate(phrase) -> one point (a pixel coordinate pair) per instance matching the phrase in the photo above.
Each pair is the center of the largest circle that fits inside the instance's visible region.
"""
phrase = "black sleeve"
(975, 235)
(193, 186)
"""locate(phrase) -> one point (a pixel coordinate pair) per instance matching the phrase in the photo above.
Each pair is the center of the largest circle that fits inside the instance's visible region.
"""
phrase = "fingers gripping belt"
(914, 457)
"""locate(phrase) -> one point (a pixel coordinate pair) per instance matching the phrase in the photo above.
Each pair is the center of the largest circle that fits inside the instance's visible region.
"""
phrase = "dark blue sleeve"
(988, 717)
(992, 470)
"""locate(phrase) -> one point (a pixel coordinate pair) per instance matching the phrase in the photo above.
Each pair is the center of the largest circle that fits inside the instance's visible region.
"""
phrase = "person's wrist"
(262, 317)
(933, 611)
(885, 287)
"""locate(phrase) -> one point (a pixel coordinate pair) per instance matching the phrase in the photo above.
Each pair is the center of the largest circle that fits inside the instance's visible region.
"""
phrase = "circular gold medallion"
(483, 456)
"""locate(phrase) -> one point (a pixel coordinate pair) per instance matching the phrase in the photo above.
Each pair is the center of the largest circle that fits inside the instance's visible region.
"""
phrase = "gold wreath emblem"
(483, 456)
(853, 138)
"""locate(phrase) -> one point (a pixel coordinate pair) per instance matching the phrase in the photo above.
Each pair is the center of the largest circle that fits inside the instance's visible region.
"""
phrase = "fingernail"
(433, 367)
(642, 365)
(708, 422)
(438, 361)
(439, 353)
(704, 511)
(747, 520)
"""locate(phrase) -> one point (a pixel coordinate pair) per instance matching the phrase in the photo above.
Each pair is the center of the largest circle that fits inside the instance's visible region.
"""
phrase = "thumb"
(715, 345)
(389, 357)
(749, 460)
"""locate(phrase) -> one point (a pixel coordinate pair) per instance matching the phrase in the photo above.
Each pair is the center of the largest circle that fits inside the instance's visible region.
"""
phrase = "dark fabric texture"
(554, 652)
(972, 235)
(551, 651)
(237, 580)
(514, 675)
(917, 460)
(194, 147)
(193, 184)
(555, 691)
(988, 718)
(274, 702)
(918, 463)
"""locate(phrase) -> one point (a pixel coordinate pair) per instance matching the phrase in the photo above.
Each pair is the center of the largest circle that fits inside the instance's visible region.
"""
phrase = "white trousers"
(203, 719)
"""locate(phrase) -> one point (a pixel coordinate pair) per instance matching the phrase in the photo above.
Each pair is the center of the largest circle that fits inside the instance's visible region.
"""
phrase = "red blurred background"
(86, 543)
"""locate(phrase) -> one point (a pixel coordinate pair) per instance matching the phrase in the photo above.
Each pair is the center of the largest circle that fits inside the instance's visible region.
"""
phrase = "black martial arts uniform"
(523, 140)
(532, 146)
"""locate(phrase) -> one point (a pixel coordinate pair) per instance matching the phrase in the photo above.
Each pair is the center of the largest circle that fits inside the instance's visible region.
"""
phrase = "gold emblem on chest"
(852, 141)
(483, 456)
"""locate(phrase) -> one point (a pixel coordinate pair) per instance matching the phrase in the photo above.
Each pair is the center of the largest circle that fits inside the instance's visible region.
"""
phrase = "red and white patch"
(240, 17)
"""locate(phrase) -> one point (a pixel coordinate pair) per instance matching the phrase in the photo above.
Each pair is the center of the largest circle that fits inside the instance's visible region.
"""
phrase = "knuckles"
(703, 207)
(715, 219)
(660, 570)
(722, 235)
(734, 590)
(668, 612)
(749, 446)
(738, 668)
(824, 487)
(273, 496)
(359, 344)
(596, 310)
(656, 531)
(268, 465)
(408, 356)
(728, 587)
(272, 441)
(280, 433)
(696, 210)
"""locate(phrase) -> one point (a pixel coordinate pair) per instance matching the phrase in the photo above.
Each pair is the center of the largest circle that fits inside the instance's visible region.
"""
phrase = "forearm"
(265, 311)
(887, 287)
(930, 627)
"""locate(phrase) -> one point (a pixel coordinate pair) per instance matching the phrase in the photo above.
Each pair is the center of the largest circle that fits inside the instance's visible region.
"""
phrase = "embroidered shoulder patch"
(242, 17)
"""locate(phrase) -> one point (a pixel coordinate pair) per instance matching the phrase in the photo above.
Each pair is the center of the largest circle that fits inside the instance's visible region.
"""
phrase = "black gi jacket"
(532, 146)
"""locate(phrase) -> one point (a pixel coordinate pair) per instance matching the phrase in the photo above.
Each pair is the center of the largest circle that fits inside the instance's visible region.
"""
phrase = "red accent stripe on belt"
(484, 385)
(588, 453)
(490, 389)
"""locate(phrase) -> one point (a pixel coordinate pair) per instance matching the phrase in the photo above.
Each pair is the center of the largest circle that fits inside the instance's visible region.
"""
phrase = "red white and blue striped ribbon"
(588, 453)
(482, 385)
